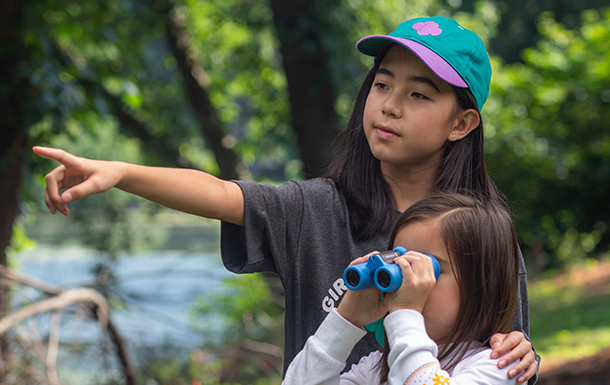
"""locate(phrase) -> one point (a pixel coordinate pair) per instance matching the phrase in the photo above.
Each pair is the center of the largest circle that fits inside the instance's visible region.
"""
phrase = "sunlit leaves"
(550, 115)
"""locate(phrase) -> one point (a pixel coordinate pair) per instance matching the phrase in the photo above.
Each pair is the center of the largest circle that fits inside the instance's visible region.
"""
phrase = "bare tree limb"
(60, 302)
(53, 349)
(261, 347)
(30, 281)
(31, 341)
(115, 336)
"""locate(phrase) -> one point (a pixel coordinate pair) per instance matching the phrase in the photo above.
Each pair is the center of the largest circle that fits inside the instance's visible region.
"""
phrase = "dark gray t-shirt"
(301, 231)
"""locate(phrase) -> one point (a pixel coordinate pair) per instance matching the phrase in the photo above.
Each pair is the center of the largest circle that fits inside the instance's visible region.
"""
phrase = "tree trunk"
(13, 138)
(212, 127)
(309, 83)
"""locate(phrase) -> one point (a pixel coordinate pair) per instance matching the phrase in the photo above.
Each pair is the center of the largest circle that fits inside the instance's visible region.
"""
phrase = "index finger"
(416, 258)
(55, 154)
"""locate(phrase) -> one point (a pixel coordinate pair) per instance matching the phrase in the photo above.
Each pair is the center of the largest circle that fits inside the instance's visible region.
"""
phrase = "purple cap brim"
(437, 64)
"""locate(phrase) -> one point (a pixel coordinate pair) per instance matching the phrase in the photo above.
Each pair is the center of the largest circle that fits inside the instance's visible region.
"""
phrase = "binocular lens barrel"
(353, 277)
(384, 279)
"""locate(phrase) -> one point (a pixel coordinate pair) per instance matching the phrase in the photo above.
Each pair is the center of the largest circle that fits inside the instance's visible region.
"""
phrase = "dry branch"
(90, 301)
(60, 302)
(53, 349)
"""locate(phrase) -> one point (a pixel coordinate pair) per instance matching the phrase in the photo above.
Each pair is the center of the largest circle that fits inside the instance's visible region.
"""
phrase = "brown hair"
(484, 253)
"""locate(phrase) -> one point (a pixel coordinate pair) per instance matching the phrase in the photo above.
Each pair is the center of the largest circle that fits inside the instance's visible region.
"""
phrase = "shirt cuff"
(402, 322)
(337, 336)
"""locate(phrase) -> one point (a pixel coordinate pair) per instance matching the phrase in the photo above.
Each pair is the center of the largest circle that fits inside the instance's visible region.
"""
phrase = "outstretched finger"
(56, 154)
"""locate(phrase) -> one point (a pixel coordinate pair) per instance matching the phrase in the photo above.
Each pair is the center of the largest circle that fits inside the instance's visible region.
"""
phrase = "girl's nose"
(391, 108)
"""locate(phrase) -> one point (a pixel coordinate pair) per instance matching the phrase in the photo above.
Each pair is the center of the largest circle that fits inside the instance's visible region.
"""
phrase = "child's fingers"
(90, 186)
(363, 259)
(526, 361)
(496, 343)
(420, 264)
(56, 154)
(54, 184)
(417, 282)
(529, 372)
(48, 203)
(405, 267)
(513, 343)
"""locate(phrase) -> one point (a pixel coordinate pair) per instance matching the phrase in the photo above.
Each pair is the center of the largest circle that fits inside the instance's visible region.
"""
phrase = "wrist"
(348, 316)
(123, 175)
(393, 308)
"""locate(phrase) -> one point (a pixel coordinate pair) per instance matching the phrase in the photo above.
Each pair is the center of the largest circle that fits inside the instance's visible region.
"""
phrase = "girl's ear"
(465, 122)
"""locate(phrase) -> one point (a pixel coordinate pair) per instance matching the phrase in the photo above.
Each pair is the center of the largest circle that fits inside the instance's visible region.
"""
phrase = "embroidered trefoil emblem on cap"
(427, 28)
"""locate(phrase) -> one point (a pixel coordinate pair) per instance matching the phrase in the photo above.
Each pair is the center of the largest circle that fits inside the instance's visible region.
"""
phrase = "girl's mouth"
(385, 132)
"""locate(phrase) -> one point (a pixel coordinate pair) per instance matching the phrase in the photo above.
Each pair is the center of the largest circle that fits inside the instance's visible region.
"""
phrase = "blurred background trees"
(260, 89)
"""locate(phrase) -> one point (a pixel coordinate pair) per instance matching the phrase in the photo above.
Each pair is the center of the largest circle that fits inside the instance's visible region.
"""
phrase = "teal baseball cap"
(454, 53)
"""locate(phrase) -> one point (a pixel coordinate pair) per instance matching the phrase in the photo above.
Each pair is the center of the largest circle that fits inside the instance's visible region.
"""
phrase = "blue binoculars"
(381, 271)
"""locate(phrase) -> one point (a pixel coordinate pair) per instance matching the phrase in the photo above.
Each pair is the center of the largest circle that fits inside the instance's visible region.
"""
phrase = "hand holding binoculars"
(381, 271)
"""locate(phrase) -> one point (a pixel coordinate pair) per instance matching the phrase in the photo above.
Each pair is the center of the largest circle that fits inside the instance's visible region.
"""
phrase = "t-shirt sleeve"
(272, 217)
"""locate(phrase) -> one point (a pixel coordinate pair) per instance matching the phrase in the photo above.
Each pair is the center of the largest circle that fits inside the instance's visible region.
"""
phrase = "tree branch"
(53, 348)
(212, 128)
(60, 302)
(159, 144)
(93, 306)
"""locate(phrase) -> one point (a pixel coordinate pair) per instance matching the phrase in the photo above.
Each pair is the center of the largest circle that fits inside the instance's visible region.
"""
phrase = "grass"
(570, 313)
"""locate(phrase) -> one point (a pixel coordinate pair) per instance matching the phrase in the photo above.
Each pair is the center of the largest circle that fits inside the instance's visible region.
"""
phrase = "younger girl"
(416, 129)
(437, 330)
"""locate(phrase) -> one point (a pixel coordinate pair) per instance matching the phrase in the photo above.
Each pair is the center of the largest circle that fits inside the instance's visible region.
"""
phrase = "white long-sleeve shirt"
(412, 358)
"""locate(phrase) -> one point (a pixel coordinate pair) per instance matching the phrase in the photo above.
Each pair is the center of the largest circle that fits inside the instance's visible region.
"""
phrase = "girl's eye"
(417, 95)
(381, 86)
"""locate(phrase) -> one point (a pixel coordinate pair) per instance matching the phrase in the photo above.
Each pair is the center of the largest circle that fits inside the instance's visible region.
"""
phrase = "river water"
(157, 288)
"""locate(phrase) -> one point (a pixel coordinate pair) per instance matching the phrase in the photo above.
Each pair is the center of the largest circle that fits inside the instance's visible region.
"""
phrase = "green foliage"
(234, 42)
(20, 240)
(548, 141)
(244, 315)
(247, 308)
(568, 319)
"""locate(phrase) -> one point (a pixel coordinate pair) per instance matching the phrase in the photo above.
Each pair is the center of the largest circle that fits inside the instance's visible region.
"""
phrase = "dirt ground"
(591, 370)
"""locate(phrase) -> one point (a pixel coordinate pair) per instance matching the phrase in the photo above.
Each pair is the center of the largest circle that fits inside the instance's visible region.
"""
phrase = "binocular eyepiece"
(381, 271)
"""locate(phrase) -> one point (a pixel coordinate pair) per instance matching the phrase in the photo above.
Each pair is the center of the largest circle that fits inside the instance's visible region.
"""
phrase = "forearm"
(413, 357)
(186, 190)
(325, 354)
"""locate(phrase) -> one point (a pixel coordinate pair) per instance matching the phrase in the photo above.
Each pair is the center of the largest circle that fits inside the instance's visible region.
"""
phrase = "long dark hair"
(357, 173)
(484, 253)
